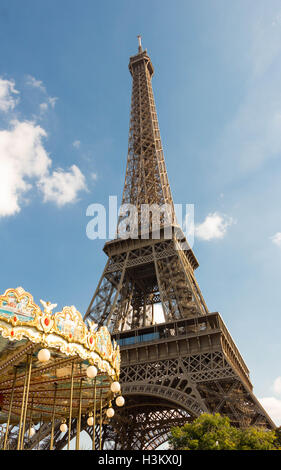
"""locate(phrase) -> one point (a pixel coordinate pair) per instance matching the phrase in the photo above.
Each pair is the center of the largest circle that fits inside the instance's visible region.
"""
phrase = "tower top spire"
(140, 46)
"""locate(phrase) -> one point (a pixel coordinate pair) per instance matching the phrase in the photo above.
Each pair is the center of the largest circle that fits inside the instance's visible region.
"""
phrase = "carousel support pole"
(39, 431)
(2, 436)
(10, 409)
(22, 404)
(26, 399)
(53, 418)
(30, 417)
(70, 406)
(8, 442)
(94, 422)
(101, 419)
(77, 447)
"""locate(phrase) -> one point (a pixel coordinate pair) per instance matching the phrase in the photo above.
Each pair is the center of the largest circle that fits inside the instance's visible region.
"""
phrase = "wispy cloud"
(8, 95)
(49, 101)
(252, 137)
(277, 386)
(76, 144)
(43, 107)
(265, 42)
(52, 101)
(276, 239)
(32, 81)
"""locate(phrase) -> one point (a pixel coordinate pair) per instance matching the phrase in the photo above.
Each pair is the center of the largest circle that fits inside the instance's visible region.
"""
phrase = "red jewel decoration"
(91, 340)
(46, 321)
(12, 333)
(15, 318)
(70, 335)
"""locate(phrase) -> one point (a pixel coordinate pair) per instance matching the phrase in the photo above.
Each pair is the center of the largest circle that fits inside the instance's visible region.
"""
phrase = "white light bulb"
(91, 372)
(120, 401)
(115, 387)
(90, 421)
(110, 412)
(63, 427)
(44, 355)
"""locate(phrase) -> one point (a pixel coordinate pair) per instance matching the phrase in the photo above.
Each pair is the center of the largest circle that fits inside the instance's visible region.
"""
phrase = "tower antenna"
(140, 46)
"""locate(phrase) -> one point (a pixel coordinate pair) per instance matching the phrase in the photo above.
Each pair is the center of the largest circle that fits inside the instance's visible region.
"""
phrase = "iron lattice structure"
(189, 364)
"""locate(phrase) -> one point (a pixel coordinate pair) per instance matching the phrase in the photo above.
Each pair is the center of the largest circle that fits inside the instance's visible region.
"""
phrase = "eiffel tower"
(173, 371)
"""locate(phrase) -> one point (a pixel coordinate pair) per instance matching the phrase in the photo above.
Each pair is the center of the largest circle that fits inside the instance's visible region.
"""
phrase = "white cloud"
(43, 107)
(22, 157)
(7, 95)
(276, 239)
(273, 407)
(272, 404)
(214, 226)
(76, 144)
(62, 187)
(94, 176)
(35, 83)
(25, 163)
(277, 386)
(52, 101)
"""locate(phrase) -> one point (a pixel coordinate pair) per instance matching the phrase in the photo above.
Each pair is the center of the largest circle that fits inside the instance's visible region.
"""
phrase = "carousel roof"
(24, 330)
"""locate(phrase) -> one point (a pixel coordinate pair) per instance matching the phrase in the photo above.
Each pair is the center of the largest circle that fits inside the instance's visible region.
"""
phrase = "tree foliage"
(214, 432)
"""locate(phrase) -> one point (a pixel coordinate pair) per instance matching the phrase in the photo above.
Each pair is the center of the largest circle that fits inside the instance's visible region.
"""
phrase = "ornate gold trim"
(21, 318)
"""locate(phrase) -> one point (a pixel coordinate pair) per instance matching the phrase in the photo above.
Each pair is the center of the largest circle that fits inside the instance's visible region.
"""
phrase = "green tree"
(214, 432)
(257, 439)
(278, 436)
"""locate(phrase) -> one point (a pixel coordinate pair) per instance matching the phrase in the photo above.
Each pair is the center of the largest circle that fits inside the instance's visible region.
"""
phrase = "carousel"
(53, 369)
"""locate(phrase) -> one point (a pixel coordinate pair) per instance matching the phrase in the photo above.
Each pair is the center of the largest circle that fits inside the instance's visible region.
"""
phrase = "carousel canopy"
(72, 347)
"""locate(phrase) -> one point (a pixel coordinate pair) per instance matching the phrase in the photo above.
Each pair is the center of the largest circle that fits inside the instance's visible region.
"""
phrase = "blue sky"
(64, 117)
